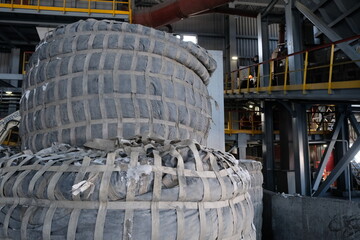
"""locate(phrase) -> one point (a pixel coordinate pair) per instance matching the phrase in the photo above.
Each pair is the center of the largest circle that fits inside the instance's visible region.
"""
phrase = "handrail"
(303, 51)
(238, 86)
(249, 122)
(111, 7)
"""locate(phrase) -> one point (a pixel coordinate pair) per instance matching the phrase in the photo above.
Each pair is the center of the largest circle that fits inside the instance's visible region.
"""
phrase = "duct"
(175, 10)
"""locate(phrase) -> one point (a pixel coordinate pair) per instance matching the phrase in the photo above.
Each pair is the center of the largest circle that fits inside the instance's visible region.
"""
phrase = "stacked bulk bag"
(141, 189)
(104, 79)
(96, 80)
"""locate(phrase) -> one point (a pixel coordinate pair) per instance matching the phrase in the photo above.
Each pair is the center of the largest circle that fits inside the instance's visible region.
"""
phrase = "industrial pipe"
(175, 10)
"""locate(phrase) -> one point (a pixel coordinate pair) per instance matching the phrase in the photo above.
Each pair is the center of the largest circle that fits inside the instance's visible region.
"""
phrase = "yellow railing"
(111, 7)
(323, 68)
(25, 60)
(319, 122)
(243, 122)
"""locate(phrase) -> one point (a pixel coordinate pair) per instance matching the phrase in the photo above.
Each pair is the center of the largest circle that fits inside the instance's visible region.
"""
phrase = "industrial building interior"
(291, 88)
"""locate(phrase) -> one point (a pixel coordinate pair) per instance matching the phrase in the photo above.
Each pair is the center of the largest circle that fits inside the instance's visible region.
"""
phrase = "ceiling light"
(234, 58)
(8, 92)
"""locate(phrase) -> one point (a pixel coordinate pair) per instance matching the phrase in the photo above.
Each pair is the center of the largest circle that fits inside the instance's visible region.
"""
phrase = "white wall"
(216, 138)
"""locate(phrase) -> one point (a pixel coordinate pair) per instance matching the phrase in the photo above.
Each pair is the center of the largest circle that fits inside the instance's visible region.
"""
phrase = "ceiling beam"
(15, 43)
(6, 40)
(268, 8)
(20, 34)
(257, 4)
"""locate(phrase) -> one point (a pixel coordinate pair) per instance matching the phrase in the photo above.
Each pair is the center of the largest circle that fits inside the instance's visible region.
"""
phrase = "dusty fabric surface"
(255, 191)
(136, 189)
(105, 79)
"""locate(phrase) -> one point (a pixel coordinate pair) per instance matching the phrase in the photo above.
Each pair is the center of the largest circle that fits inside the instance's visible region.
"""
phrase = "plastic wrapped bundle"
(105, 79)
(136, 189)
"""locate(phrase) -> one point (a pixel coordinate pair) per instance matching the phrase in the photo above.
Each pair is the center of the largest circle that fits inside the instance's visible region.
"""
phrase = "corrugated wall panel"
(211, 43)
(209, 23)
(274, 30)
(5, 62)
(246, 42)
(273, 45)
(246, 26)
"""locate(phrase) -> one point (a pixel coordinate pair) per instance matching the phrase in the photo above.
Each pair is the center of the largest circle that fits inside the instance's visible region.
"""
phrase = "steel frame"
(342, 165)
(263, 48)
(293, 35)
(339, 169)
(301, 149)
(354, 123)
(268, 145)
(326, 155)
(331, 34)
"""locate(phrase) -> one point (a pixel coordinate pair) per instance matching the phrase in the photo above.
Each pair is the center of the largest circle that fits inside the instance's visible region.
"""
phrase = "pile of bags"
(95, 80)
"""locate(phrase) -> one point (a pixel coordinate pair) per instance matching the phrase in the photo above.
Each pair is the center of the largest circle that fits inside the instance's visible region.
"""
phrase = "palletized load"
(137, 189)
(104, 79)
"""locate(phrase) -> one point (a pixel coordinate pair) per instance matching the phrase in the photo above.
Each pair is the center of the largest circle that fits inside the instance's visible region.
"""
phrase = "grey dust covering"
(104, 79)
(138, 189)
(255, 191)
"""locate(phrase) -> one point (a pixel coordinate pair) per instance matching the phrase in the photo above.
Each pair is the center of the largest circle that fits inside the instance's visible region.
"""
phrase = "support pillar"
(263, 49)
(301, 149)
(341, 147)
(286, 177)
(231, 41)
(293, 36)
(14, 69)
(268, 145)
(242, 144)
(15, 65)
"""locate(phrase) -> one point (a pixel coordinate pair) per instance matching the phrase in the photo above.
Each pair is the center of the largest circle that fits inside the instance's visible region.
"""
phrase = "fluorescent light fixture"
(234, 58)
(8, 92)
(325, 145)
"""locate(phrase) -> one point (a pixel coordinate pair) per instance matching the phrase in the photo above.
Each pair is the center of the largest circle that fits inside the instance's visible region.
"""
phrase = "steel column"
(293, 35)
(15, 64)
(326, 155)
(242, 139)
(301, 149)
(14, 69)
(285, 178)
(331, 34)
(354, 124)
(341, 147)
(263, 49)
(340, 167)
(268, 145)
(232, 44)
